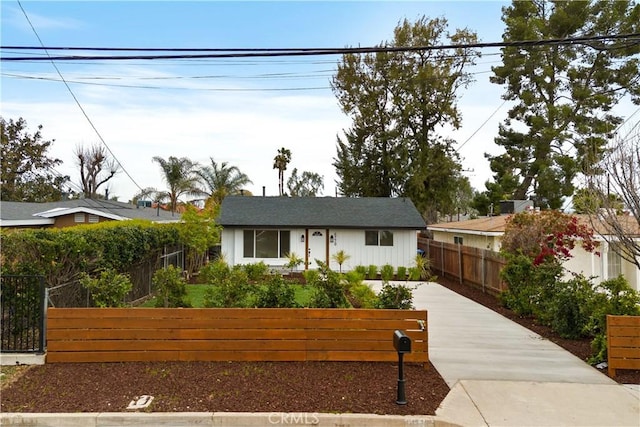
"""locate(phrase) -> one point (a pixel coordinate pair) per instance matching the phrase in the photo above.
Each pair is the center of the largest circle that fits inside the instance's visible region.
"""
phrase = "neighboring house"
(68, 213)
(486, 233)
(372, 231)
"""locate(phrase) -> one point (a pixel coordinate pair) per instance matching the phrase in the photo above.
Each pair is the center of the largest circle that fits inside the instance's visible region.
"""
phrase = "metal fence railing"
(22, 314)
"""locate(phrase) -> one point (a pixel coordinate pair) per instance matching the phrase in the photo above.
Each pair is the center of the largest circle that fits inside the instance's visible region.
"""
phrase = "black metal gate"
(22, 314)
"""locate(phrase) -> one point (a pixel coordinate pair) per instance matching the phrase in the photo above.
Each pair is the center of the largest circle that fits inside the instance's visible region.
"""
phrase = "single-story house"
(487, 232)
(370, 230)
(66, 213)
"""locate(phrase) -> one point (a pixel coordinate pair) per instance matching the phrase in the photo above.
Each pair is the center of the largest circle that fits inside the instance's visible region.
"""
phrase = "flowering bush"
(546, 236)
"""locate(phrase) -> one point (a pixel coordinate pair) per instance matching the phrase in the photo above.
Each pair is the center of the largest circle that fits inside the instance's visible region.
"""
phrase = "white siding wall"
(402, 253)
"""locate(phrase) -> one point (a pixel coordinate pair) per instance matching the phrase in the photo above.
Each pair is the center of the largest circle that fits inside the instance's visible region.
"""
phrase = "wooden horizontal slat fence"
(233, 334)
(623, 343)
(468, 265)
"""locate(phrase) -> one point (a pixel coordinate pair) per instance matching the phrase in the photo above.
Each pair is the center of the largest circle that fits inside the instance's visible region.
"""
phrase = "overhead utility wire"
(78, 102)
(249, 53)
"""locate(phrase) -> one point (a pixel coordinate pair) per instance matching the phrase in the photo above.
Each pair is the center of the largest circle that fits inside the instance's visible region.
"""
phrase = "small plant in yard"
(328, 289)
(401, 274)
(386, 272)
(362, 270)
(216, 270)
(109, 289)
(340, 257)
(422, 267)
(293, 261)
(171, 288)
(276, 293)
(616, 297)
(372, 272)
(362, 296)
(256, 271)
(395, 297)
(233, 290)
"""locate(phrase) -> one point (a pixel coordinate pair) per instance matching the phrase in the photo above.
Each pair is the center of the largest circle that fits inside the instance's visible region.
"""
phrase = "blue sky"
(236, 111)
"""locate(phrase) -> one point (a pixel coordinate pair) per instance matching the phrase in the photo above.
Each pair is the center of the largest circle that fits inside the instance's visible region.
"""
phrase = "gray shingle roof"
(18, 211)
(335, 212)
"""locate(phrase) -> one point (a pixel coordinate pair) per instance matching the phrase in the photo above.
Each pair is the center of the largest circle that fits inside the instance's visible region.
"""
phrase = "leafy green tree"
(397, 101)
(180, 175)
(222, 180)
(563, 94)
(308, 184)
(280, 162)
(96, 168)
(27, 173)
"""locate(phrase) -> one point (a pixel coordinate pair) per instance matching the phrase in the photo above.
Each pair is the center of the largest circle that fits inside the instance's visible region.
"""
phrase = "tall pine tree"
(563, 94)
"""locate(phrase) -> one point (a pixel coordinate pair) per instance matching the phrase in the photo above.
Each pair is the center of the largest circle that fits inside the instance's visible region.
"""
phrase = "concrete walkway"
(502, 374)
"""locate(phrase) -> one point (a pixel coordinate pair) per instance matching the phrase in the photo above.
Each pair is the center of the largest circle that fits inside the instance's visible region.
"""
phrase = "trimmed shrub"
(571, 306)
(386, 272)
(615, 297)
(362, 296)
(233, 290)
(256, 271)
(362, 270)
(395, 296)
(401, 273)
(372, 272)
(328, 292)
(276, 294)
(109, 289)
(213, 271)
(171, 288)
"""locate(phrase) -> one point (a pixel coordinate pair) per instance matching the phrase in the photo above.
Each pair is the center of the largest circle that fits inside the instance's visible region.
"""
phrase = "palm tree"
(340, 257)
(222, 180)
(179, 174)
(280, 162)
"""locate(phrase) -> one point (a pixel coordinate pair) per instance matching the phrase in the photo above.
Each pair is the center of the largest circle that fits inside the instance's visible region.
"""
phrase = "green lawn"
(195, 294)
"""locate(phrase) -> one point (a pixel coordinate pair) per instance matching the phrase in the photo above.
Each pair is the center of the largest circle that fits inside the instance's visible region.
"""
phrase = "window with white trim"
(93, 219)
(378, 238)
(614, 264)
(78, 217)
(457, 240)
(266, 243)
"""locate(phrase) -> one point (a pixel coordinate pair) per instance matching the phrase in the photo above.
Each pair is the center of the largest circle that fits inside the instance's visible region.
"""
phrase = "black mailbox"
(401, 342)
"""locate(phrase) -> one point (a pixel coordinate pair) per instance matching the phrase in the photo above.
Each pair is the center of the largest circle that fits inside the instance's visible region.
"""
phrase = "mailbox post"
(402, 344)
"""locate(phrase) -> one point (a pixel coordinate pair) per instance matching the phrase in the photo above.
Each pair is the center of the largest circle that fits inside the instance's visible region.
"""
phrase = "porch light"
(302, 238)
(331, 238)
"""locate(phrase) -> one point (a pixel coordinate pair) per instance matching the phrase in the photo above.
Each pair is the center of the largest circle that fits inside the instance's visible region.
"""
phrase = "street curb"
(218, 419)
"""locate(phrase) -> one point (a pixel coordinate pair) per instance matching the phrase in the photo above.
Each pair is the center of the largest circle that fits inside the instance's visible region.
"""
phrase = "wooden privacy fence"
(474, 266)
(623, 343)
(231, 334)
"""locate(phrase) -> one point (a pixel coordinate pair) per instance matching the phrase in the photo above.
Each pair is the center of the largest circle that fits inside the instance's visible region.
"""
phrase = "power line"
(78, 102)
(481, 126)
(269, 52)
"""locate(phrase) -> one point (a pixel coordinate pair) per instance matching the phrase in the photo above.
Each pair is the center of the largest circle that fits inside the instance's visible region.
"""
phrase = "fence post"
(460, 263)
(43, 313)
(483, 269)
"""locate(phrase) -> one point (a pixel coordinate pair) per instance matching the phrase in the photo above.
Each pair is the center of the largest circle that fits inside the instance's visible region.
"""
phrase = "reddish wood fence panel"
(473, 266)
(210, 334)
(623, 343)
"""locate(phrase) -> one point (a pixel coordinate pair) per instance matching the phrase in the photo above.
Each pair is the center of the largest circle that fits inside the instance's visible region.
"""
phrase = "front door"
(317, 248)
